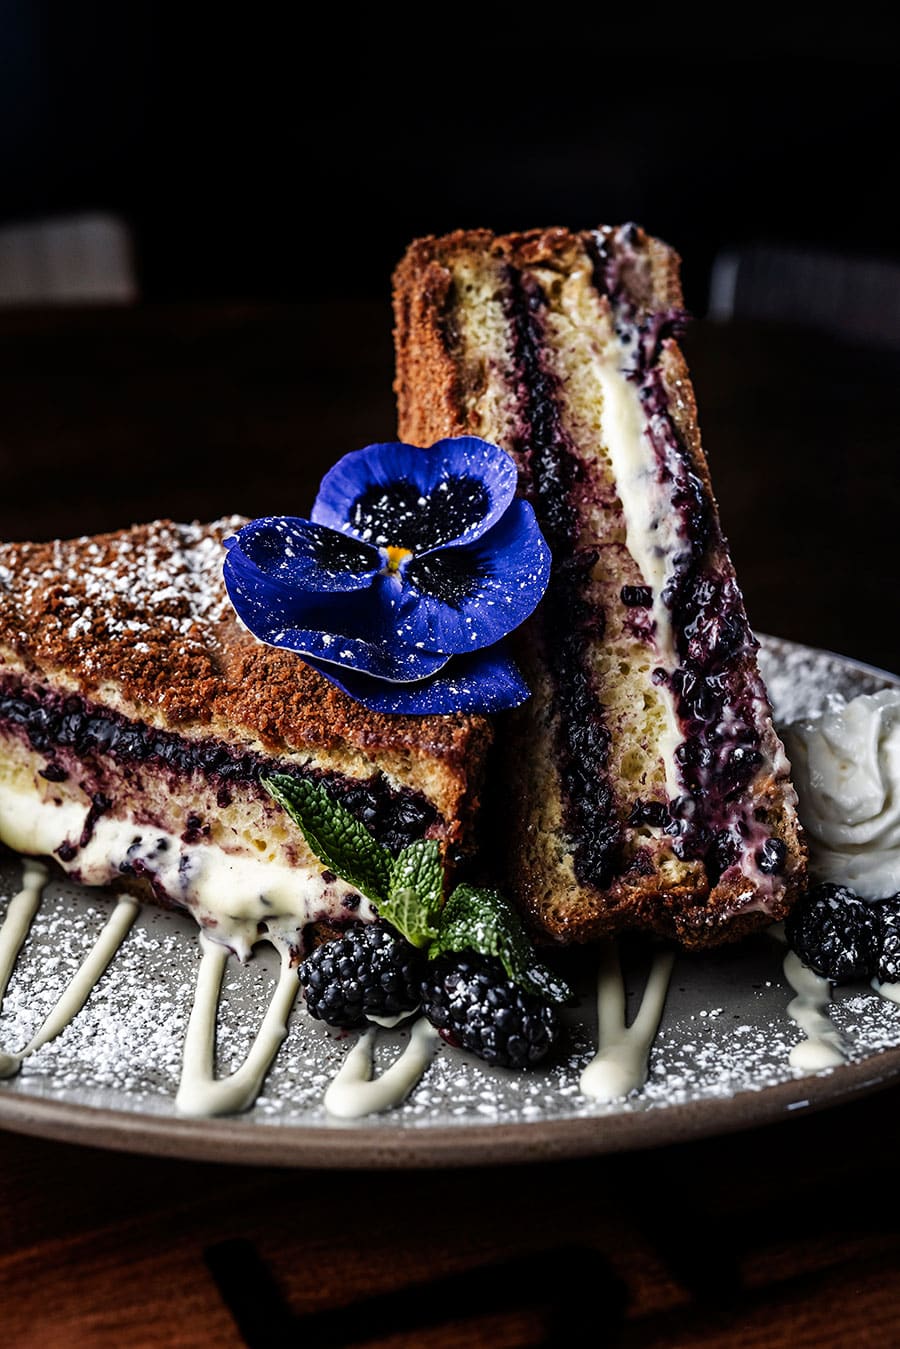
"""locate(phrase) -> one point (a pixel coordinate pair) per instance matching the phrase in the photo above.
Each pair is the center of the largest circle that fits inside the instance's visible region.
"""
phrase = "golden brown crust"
(430, 396)
(140, 618)
(560, 905)
(436, 390)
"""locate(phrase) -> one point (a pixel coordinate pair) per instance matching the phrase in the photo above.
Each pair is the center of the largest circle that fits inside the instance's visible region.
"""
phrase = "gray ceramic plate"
(719, 1062)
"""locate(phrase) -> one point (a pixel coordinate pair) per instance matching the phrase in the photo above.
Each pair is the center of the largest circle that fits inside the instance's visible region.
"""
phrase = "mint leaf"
(485, 921)
(416, 891)
(408, 890)
(418, 867)
(339, 841)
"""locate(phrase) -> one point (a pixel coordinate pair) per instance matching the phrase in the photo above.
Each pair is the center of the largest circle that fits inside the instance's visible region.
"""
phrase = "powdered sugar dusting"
(804, 682)
(164, 575)
(122, 608)
(725, 1030)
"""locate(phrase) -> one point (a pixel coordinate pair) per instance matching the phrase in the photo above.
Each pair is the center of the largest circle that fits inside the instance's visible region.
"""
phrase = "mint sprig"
(484, 920)
(407, 891)
(339, 841)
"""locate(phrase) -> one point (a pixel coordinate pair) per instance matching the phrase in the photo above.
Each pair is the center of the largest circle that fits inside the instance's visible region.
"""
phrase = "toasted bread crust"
(139, 619)
(437, 387)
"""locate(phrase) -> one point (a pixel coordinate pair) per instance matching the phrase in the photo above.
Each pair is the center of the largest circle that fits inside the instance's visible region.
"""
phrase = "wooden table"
(785, 1235)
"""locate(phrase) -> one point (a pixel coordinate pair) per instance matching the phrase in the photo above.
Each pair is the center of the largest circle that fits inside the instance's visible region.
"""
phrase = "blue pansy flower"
(414, 566)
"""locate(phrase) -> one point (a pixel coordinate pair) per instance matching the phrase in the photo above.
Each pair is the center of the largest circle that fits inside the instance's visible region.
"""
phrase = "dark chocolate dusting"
(53, 722)
(551, 471)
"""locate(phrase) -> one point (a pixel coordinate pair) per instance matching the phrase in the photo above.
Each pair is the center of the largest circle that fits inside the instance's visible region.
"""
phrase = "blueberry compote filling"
(54, 724)
(554, 471)
(716, 690)
(637, 597)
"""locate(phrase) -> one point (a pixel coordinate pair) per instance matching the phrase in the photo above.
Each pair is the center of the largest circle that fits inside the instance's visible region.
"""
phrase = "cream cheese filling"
(652, 534)
(230, 893)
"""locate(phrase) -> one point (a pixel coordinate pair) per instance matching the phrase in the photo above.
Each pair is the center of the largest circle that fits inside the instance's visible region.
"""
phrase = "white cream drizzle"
(619, 1067)
(351, 1095)
(19, 915)
(354, 1092)
(83, 983)
(824, 1046)
(200, 1091)
(389, 1022)
(621, 1063)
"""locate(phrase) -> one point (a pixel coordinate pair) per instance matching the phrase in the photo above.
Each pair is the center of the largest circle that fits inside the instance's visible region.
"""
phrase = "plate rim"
(411, 1147)
(236, 1140)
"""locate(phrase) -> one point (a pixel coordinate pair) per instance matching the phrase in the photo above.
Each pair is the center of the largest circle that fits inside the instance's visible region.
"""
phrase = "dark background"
(271, 174)
(257, 158)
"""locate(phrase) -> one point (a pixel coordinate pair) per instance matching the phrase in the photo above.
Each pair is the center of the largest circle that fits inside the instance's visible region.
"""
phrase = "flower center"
(394, 559)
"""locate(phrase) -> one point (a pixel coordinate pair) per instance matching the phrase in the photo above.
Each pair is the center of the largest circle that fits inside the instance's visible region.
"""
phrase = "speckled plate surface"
(719, 1062)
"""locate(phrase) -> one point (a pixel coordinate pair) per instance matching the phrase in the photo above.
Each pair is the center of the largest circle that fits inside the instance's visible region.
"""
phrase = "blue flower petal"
(394, 666)
(397, 495)
(352, 629)
(266, 605)
(462, 599)
(295, 553)
(487, 681)
(415, 564)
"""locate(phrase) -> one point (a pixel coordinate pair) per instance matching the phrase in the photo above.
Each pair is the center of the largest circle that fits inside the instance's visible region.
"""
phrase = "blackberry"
(835, 933)
(472, 1003)
(888, 970)
(369, 971)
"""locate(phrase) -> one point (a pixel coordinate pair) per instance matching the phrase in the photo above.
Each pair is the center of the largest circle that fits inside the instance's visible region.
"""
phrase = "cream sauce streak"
(824, 1045)
(354, 1092)
(21, 911)
(200, 1092)
(620, 1065)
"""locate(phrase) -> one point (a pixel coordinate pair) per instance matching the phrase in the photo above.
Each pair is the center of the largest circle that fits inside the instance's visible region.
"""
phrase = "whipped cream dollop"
(846, 769)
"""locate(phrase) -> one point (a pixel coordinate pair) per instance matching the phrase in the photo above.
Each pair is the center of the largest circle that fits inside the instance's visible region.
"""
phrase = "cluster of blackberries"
(372, 972)
(845, 938)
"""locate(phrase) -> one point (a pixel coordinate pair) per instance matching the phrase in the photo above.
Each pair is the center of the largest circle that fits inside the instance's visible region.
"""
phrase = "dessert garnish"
(846, 767)
(835, 933)
(467, 960)
(414, 565)
(474, 1007)
(645, 785)
(846, 927)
